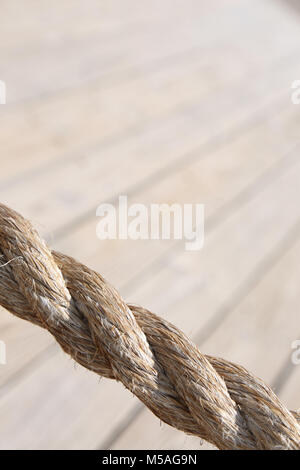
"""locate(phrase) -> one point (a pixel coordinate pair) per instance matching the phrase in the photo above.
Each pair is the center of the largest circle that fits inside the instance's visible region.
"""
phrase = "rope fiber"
(208, 397)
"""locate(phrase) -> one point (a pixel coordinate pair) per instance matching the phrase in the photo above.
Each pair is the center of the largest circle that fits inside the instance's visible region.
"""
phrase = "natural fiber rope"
(201, 395)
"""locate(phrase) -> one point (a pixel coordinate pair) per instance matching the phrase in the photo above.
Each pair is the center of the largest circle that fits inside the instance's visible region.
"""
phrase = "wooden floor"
(174, 101)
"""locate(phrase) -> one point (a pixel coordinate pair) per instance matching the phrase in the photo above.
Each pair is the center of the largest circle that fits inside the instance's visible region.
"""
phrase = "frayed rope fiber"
(201, 395)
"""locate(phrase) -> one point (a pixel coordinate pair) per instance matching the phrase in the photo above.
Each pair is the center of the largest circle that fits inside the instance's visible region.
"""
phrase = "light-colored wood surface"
(164, 102)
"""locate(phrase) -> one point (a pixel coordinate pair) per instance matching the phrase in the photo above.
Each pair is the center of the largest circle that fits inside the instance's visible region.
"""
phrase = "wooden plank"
(59, 124)
(24, 29)
(68, 124)
(62, 64)
(215, 178)
(65, 192)
(64, 126)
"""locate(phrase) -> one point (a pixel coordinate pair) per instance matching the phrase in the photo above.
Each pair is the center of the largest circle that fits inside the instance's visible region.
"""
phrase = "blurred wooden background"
(174, 101)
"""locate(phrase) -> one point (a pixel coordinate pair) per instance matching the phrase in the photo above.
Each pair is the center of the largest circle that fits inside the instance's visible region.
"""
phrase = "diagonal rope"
(201, 395)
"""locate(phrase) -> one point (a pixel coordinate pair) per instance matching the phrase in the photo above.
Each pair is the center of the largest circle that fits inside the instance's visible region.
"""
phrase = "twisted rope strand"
(201, 395)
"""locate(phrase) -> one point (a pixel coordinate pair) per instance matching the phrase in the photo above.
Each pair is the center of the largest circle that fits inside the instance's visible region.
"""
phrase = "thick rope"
(201, 395)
